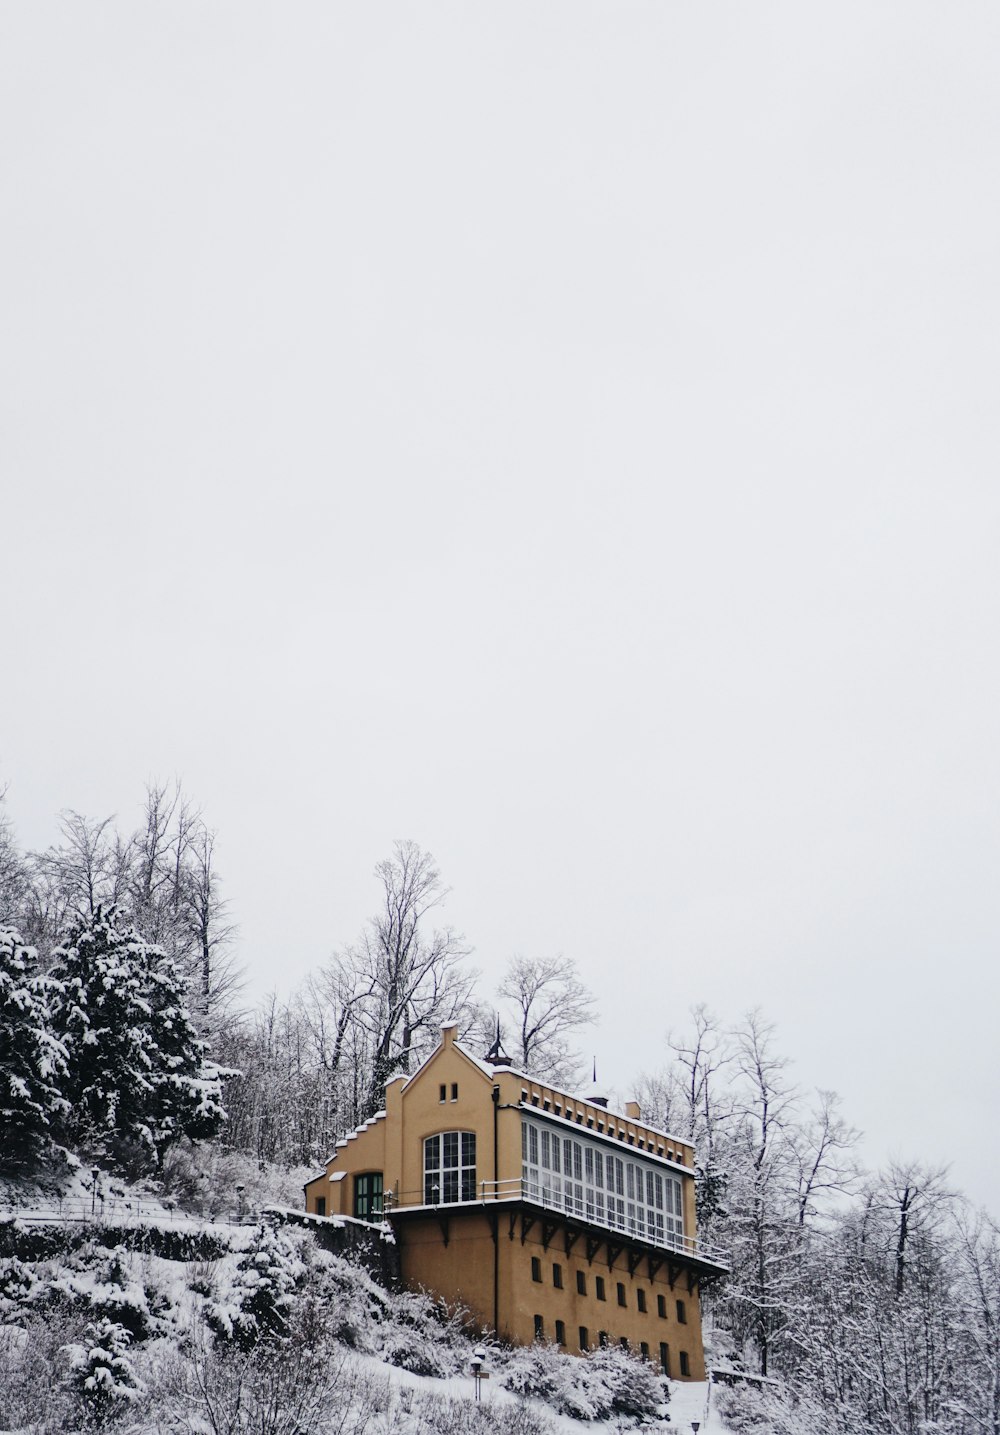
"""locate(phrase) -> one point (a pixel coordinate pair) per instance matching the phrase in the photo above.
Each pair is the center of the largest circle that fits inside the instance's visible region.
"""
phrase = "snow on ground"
(160, 1298)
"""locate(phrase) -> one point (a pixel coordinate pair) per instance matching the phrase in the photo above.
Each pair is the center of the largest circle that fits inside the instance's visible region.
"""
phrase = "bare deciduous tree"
(549, 1004)
(407, 981)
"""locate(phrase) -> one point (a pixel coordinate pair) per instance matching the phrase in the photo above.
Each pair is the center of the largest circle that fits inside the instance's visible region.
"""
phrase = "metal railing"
(535, 1194)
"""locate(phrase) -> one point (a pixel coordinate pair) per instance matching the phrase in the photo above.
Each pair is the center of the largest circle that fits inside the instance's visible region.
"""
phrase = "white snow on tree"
(138, 1076)
(32, 1060)
(103, 1373)
(264, 1291)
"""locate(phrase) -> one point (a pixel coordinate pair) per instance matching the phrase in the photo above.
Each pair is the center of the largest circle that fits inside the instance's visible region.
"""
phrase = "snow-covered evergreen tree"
(104, 1376)
(138, 1078)
(32, 1060)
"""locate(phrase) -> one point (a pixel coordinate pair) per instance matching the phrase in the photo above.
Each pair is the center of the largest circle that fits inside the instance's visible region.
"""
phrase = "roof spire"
(597, 1096)
(496, 1054)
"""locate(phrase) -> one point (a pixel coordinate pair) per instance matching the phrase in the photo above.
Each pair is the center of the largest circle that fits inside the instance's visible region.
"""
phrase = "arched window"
(450, 1168)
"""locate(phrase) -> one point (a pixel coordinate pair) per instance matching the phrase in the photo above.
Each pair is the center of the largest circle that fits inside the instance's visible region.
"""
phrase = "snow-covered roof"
(353, 1135)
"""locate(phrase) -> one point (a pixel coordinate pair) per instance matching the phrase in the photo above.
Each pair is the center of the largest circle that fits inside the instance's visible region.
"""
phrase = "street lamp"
(478, 1373)
(94, 1173)
(695, 1426)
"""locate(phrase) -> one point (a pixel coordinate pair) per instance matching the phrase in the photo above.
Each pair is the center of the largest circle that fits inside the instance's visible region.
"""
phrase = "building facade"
(542, 1214)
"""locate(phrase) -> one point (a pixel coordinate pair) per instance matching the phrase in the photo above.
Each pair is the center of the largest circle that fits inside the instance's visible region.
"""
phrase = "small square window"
(581, 1283)
(682, 1356)
(536, 1269)
(557, 1275)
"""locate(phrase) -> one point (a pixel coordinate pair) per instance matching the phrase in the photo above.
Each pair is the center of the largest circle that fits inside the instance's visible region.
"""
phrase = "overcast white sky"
(564, 434)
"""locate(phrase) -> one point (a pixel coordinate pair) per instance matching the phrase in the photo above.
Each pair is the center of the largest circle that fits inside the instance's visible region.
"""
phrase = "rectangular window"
(443, 1092)
(539, 1328)
(454, 1091)
(623, 1342)
(640, 1298)
(584, 1338)
(661, 1306)
(644, 1349)
(321, 1205)
(536, 1269)
(557, 1275)
(621, 1294)
(602, 1338)
(581, 1283)
(681, 1313)
(560, 1332)
(665, 1357)
(682, 1356)
(368, 1196)
(599, 1283)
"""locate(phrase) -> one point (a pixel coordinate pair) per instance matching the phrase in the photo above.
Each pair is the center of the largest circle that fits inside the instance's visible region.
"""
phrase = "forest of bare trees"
(874, 1295)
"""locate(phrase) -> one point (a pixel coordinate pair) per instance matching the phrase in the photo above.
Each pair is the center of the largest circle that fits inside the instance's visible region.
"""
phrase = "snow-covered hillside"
(143, 1319)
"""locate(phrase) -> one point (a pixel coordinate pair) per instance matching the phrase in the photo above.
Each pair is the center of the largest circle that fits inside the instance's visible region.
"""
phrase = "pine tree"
(32, 1060)
(138, 1079)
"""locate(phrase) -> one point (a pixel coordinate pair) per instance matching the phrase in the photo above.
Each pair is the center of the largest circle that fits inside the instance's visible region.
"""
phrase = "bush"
(263, 1294)
(750, 1411)
(300, 1386)
(102, 1370)
(608, 1382)
(35, 1393)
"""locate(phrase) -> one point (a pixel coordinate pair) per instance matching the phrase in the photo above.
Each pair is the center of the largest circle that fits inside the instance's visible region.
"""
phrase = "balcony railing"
(533, 1193)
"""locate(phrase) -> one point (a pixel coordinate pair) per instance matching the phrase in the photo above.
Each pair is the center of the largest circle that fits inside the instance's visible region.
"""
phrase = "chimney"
(633, 1110)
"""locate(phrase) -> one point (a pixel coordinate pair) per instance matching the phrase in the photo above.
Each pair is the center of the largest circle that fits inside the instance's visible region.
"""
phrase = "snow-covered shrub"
(436, 1414)
(17, 1284)
(300, 1386)
(607, 1382)
(34, 1393)
(200, 1277)
(263, 1293)
(86, 1294)
(102, 1370)
(750, 1411)
(635, 1389)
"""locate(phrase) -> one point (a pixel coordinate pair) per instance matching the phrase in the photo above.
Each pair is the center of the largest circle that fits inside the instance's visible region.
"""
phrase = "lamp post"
(94, 1173)
(239, 1196)
(695, 1426)
(478, 1373)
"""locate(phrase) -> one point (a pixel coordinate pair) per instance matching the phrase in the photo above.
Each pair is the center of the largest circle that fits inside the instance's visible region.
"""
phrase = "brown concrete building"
(542, 1213)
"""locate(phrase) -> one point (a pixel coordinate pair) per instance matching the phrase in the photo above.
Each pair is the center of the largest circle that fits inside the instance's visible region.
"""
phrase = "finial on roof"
(496, 1054)
(597, 1096)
